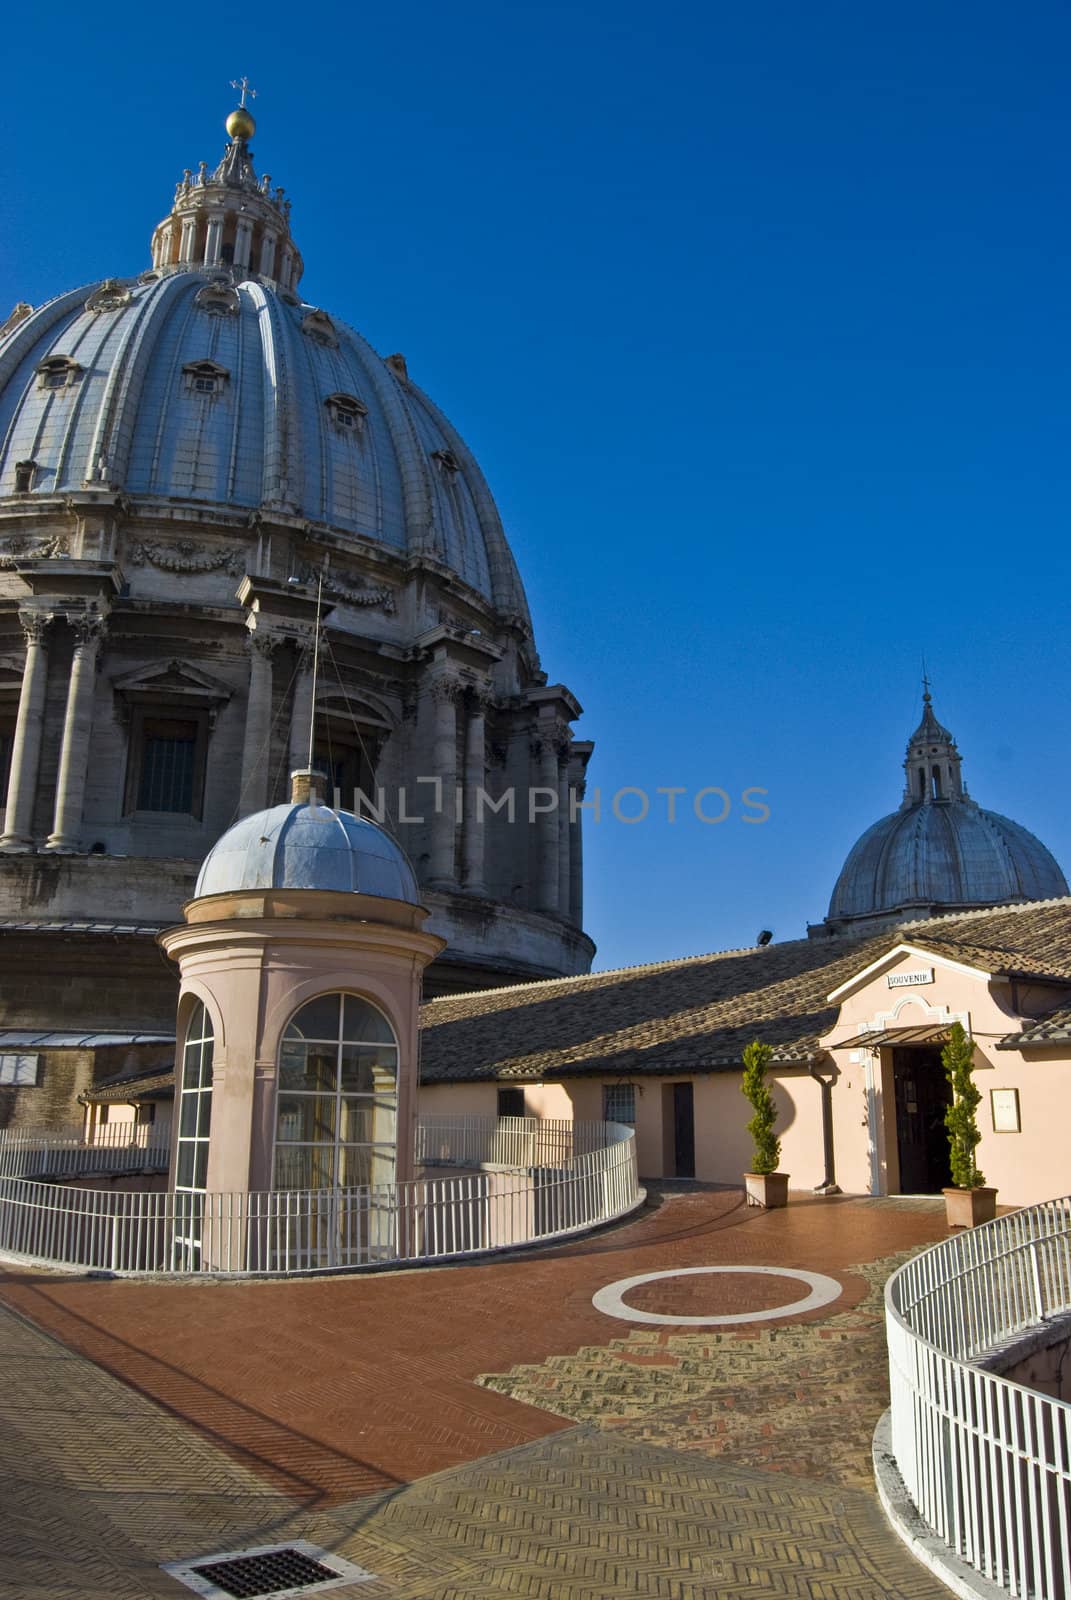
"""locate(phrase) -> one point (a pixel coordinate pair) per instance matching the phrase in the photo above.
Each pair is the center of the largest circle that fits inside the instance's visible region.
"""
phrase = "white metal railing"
(986, 1461)
(72, 1151)
(504, 1141)
(328, 1229)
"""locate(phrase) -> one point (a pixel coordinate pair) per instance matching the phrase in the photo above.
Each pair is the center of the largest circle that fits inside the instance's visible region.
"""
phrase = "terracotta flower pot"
(768, 1189)
(966, 1208)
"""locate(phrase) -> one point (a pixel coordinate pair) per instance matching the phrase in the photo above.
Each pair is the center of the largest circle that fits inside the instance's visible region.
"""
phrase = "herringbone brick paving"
(102, 1482)
(803, 1398)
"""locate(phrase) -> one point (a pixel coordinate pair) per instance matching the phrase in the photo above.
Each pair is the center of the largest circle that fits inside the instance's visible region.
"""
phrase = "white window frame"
(19, 1070)
(624, 1091)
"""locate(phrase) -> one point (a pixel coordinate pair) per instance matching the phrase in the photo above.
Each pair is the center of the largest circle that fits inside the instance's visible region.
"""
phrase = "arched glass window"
(195, 1105)
(336, 1118)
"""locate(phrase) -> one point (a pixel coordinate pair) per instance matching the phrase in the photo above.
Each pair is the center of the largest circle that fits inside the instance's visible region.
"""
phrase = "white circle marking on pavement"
(611, 1300)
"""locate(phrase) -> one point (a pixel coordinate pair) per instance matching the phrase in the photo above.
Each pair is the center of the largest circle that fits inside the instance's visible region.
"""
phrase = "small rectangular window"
(168, 764)
(205, 385)
(19, 1071)
(7, 747)
(619, 1103)
(511, 1102)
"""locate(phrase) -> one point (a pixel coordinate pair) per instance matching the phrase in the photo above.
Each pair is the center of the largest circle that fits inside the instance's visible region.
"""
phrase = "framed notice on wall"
(1005, 1104)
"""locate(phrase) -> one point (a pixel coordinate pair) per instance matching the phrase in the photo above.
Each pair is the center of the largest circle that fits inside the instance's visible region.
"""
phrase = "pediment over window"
(205, 377)
(346, 411)
(172, 682)
(57, 372)
(366, 712)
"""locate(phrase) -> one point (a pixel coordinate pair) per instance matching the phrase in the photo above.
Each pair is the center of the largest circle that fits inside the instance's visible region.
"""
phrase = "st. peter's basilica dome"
(202, 473)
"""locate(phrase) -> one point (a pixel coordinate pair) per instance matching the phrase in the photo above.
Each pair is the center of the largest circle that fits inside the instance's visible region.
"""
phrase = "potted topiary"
(764, 1184)
(969, 1202)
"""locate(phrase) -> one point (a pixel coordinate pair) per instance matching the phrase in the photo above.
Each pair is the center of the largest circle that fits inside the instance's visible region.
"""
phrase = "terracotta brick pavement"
(333, 1388)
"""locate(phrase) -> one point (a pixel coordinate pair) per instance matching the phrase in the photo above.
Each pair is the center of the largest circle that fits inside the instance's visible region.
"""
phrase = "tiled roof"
(1030, 940)
(1055, 1028)
(675, 1016)
(149, 1084)
(37, 1039)
(697, 1014)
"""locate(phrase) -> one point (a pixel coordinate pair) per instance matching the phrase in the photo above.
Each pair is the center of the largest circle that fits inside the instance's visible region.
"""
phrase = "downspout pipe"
(829, 1184)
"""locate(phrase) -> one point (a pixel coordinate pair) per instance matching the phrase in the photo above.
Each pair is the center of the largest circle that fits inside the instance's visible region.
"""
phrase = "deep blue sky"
(756, 317)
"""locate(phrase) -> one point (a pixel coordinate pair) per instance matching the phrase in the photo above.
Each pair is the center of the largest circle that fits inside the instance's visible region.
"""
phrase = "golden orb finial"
(240, 124)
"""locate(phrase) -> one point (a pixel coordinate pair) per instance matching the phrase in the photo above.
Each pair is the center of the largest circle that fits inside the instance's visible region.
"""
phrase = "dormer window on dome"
(317, 325)
(346, 412)
(25, 472)
(447, 462)
(205, 377)
(57, 372)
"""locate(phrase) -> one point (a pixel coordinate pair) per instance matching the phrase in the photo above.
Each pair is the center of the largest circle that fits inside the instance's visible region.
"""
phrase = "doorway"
(683, 1131)
(922, 1095)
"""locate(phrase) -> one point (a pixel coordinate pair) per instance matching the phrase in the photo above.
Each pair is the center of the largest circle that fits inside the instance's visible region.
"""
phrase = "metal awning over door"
(928, 1033)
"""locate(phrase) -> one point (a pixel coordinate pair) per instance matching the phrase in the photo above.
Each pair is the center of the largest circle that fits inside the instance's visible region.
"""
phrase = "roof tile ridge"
(1018, 907)
(642, 966)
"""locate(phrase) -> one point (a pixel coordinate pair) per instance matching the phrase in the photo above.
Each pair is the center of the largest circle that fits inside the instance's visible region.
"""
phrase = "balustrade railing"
(986, 1461)
(530, 1184)
(72, 1151)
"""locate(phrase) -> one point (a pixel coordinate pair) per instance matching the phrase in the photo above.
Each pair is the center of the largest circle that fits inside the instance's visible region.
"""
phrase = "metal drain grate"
(274, 1571)
(268, 1574)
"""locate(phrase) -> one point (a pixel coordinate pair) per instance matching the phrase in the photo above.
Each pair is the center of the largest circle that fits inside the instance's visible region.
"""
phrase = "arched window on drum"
(337, 1104)
(195, 1103)
(191, 1156)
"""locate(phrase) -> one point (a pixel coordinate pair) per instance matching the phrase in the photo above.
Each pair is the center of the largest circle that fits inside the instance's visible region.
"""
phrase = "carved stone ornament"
(112, 295)
(219, 298)
(352, 593)
(35, 624)
(553, 741)
(18, 549)
(89, 628)
(446, 689)
(317, 325)
(187, 557)
(263, 644)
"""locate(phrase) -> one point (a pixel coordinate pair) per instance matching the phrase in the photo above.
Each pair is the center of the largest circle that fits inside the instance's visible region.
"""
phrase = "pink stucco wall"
(1025, 1167)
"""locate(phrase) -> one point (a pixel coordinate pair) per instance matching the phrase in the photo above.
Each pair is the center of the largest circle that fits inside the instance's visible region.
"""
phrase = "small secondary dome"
(302, 846)
(940, 851)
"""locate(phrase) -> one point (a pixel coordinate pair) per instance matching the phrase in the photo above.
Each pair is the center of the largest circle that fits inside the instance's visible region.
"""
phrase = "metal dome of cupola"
(202, 474)
(940, 852)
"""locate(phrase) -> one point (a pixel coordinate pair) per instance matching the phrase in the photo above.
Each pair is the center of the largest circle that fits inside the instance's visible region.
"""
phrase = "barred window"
(165, 771)
(167, 764)
(619, 1103)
